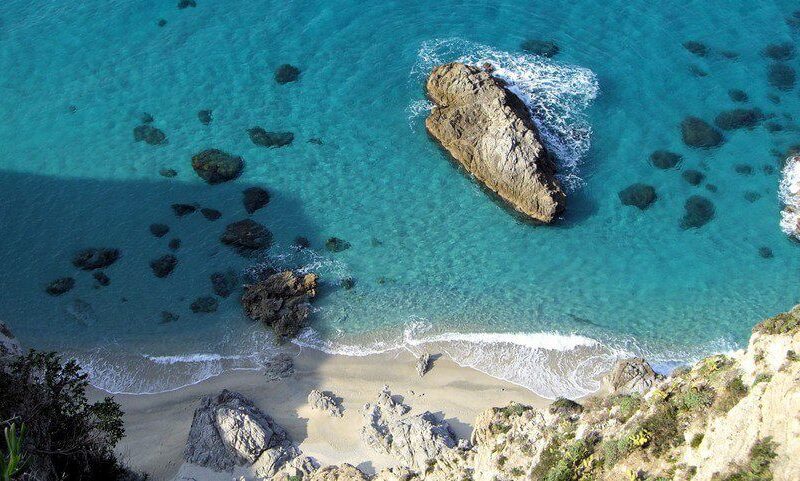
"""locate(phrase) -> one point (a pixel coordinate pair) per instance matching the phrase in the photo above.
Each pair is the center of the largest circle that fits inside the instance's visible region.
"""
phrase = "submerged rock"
(174, 244)
(204, 305)
(224, 283)
(254, 198)
(164, 265)
(739, 119)
(216, 166)
(181, 210)
(167, 317)
(325, 402)
(282, 301)
(699, 134)
(186, 4)
(347, 283)
(301, 242)
(544, 48)
(664, 159)
(751, 196)
(781, 76)
(699, 212)
(247, 237)
(638, 195)
(210, 214)
(693, 177)
(60, 286)
(95, 258)
(743, 169)
(149, 135)
(204, 116)
(286, 73)
(229, 430)
(779, 51)
(261, 137)
(488, 130)
(101, 278)
(738, 95)
(159, 230)
(335, 244)
(765, 252)
(697, 48)
(630, 376)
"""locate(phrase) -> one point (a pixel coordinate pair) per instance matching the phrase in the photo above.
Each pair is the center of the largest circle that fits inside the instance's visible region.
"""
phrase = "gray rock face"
(9, 345)
(228, 430)
(282, 301)
(279, 367)
(488, 130)
(325, 402)
(630, 376)
(412, 440)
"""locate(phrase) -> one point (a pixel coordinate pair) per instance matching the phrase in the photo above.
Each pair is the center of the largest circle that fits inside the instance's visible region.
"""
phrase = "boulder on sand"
(325, 402)
(489, 131)
(282, 301)
(229, 430)
(630, 376)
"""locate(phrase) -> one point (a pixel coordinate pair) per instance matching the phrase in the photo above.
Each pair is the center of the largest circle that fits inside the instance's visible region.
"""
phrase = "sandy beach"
(157, 425)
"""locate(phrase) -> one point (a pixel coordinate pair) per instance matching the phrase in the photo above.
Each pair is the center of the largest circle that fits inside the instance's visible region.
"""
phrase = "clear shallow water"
(456, 269)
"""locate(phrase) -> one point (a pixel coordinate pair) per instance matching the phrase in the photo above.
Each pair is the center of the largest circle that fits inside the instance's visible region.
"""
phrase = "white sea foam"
(556, 94)
(789, 194)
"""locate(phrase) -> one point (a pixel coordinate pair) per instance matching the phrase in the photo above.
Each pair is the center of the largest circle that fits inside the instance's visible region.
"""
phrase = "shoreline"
(157, 425)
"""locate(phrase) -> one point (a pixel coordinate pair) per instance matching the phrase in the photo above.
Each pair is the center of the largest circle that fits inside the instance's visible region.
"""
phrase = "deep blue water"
(434, 258)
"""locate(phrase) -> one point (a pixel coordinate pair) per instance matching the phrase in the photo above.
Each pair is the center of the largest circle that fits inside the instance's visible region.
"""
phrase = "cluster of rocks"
(282, 301)
(325, 402)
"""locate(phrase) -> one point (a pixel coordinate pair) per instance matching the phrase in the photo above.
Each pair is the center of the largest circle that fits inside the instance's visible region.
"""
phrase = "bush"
(628, 405)
(694, 398)
(696, 440)
(758, 467)
(67, 437)
(662, 429)
(783, 323)
(734, 391)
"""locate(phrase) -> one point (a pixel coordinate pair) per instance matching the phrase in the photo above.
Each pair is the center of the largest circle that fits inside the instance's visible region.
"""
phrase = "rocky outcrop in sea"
(489, 131)
(281, 301)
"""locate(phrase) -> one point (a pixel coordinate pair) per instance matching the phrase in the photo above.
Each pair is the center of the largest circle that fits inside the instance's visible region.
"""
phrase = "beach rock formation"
(216, 166)
(282, 301)
(423, 364)
(325, 402)
(412, 440)
(229, 430)
(278, 367)
(489, 131)
(630, 376)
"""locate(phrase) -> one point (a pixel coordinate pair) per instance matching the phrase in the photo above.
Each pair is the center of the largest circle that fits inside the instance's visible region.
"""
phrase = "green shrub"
(696, 440)
(662, 428)
(762, 377)
(783, 323)
(628, 405)
(67, 437)
(13, 462)
(734, 391)
(517, 472)
(792, 356)
(515, 409)
(695, 398)
(571, 465)
(758, 466)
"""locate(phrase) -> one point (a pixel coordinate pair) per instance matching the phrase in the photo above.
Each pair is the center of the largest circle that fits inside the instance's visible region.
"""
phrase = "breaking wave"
(557, 95)
(789, 194)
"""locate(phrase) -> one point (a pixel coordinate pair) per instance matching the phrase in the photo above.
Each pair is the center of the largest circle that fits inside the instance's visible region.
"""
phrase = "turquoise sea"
(437, 263)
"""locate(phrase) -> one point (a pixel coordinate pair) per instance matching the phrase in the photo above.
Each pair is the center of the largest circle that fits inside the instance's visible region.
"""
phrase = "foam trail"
(557, 95)
(789, 194)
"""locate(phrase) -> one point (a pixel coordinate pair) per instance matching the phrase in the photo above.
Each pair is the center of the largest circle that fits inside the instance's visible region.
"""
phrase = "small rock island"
(488, 130)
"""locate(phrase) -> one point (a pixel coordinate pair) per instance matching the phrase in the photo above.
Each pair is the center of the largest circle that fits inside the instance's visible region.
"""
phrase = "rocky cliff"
(727, 417)
(488, 130)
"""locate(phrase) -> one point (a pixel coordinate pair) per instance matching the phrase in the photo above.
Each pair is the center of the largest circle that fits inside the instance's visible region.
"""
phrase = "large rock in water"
(488, 130)
(216, 166)
(282, 301)
(229, 430)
